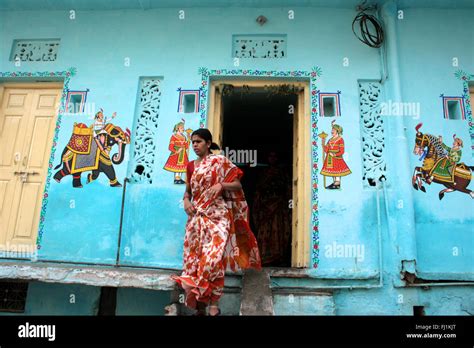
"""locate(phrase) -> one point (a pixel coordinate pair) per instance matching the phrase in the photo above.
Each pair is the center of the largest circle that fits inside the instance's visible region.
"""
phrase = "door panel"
(14, 113)
(27, 119)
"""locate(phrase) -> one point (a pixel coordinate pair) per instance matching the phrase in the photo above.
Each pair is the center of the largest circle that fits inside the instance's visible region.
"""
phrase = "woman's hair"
(205, 134)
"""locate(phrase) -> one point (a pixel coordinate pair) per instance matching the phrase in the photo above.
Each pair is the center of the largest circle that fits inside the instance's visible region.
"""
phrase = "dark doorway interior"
(262, 123)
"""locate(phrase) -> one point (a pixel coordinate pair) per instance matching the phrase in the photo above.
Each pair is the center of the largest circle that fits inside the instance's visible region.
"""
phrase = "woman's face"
(200, 146)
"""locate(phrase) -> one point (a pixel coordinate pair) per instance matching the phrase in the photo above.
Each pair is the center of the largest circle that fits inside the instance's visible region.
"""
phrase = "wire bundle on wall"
(374, 39)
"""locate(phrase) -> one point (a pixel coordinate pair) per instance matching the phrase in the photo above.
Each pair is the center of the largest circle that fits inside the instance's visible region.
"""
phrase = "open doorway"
(271, 119)
(257, 123)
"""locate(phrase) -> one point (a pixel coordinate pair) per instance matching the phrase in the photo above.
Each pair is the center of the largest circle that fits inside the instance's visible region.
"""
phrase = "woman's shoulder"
(218, 156)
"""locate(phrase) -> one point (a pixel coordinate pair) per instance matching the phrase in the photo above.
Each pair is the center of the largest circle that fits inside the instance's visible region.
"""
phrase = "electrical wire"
(363, 19)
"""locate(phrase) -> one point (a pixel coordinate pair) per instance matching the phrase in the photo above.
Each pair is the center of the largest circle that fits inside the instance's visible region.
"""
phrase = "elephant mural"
(88, 152)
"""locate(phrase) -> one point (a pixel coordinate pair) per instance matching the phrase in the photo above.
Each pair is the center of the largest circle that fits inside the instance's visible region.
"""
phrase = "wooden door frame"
(300, 249)
(28, 85)
(22, 80)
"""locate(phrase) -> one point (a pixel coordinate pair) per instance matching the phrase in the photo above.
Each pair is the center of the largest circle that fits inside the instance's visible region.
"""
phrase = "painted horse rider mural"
(441, 164)
(443, 169)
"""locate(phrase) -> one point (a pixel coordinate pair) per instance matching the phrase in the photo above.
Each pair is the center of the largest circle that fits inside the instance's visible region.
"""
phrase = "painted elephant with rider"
(88, 151)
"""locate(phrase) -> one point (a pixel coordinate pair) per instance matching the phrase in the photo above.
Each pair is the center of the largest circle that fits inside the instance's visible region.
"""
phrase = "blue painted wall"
(426, 72)
(60, 299)
(132, 301)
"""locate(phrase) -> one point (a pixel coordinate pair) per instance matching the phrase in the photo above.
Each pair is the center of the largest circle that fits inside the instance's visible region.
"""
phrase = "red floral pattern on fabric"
(218, 236)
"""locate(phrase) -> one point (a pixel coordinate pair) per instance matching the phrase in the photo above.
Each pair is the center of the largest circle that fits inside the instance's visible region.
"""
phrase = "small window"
(453, 108)
(454, 111)
(329, 104)
(13, 296)
(188, 101)
(76, 101)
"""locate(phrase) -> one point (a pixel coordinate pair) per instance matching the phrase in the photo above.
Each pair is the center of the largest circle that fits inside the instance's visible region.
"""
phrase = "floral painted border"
(206, 74)
(465, 78)
(66, 76)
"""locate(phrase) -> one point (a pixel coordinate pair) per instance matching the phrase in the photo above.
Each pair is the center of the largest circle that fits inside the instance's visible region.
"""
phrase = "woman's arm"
(228, 186)
(187, 193)
(188, 206)
(232, 186)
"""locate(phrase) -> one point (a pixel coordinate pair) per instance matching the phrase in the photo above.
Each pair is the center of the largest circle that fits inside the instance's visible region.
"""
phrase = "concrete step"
(257, 298)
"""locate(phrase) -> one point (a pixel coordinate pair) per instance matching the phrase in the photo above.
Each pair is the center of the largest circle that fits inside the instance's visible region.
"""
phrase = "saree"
(218, 235)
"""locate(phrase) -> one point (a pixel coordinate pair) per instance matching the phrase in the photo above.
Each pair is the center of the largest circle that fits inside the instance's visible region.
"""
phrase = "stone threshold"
(153, 279)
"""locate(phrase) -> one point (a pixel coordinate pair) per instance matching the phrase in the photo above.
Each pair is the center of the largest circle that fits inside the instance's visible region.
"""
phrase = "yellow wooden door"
(27, 121)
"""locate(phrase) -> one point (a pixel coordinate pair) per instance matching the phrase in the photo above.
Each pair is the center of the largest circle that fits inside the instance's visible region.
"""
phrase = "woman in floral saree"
(218, 235)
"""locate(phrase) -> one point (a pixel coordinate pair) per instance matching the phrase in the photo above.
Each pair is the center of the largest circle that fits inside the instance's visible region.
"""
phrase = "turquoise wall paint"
(427, 71)
(141, 302)
(60, 299)
(159, 44)
(436, 301)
